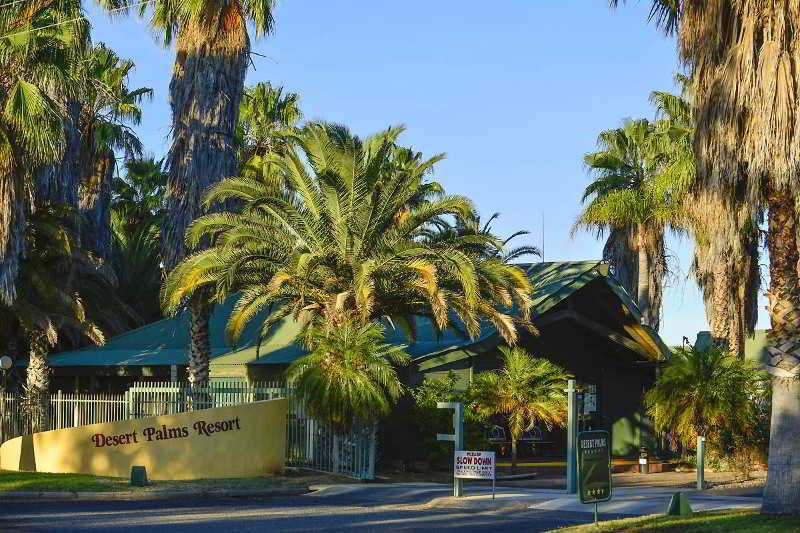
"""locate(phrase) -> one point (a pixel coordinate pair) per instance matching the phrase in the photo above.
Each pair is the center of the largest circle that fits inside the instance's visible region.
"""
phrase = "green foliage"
(709, 392)
(525, 391)
(349, 232)
(348, 378)
(428, 420)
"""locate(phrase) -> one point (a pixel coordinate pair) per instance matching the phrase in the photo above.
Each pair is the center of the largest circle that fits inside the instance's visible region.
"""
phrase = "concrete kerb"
(162, 495)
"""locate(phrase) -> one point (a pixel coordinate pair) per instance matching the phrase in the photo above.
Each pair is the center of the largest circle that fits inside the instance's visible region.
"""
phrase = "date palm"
(349, 377)
(35, 58)
(631, 198)
(212, 53)
(347, 235)
(701, 392)
(746, 104)
(525, 390)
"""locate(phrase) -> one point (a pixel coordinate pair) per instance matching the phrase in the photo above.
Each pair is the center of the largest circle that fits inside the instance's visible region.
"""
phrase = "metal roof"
(165, 342)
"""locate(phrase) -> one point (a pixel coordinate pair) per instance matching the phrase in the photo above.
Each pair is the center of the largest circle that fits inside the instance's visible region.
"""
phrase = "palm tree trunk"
(12, 232)
(513, 455)
(95, 203)
(643, 292)
(721, 304)
(37, 384)
(57, 183)
(781, 494)
(205, 93)
(199, 341)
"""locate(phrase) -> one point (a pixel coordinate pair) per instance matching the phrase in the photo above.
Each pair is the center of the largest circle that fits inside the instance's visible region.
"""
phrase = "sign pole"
(494, 478)
(701, 463)
(572, 431)
(457, 437)
(595, 512)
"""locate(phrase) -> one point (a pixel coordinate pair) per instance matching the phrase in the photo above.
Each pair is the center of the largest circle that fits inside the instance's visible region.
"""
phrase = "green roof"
(165, 342)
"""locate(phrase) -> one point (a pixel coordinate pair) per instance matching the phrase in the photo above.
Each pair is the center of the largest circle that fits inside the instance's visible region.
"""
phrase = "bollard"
(679, 505)
(138, 476)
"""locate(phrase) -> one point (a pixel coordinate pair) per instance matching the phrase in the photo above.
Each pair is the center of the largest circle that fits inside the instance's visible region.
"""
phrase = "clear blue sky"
(515, 94)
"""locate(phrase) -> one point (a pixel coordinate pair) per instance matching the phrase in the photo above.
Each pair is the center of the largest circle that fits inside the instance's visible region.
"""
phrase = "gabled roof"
(165, 342)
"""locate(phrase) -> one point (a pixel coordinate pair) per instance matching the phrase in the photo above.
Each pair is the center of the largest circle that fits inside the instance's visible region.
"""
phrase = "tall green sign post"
(594, 467)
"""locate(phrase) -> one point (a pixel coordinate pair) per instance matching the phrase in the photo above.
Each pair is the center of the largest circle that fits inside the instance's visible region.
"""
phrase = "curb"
(164, 495)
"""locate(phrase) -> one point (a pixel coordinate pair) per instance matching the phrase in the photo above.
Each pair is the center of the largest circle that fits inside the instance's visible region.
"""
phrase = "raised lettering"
(148, 432)
(99, 440)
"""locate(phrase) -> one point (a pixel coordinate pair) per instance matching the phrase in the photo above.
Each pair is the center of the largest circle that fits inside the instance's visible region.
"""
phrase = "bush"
(430, 420)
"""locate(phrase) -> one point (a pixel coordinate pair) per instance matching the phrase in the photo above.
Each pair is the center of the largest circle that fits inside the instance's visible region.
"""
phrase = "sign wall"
(240, 441)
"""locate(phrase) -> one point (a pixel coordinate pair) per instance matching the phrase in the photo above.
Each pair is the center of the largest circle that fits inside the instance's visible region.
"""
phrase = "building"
(587, 322)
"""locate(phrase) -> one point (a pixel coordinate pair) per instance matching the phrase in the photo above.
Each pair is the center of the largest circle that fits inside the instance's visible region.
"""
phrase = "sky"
(514, 95)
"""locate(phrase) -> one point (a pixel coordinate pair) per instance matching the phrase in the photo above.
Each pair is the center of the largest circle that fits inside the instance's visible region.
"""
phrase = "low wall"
(241, 441)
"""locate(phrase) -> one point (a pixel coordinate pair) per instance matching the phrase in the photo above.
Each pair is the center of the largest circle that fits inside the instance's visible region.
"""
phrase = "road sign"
(474, 465)
(594, 466)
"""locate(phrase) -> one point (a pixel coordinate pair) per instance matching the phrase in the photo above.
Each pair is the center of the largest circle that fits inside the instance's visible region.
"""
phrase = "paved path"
(397, 507)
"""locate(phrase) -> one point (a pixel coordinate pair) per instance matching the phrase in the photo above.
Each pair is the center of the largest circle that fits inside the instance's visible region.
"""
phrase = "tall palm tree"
(631, 199)
(746, 104)
(347, 235)
(35, 57)
(108, 105)
(726, 252)
(525, 390)
(267, 117)
(212, 52)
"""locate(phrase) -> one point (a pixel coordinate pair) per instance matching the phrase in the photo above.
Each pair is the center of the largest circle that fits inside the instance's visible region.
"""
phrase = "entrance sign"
(594, 466)
(474, 465)
(239, 441)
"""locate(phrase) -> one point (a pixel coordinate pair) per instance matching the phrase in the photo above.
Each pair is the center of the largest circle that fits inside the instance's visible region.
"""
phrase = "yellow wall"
(249, 440)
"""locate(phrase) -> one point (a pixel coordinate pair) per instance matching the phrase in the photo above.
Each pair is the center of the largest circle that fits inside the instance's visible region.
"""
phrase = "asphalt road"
(302, 513)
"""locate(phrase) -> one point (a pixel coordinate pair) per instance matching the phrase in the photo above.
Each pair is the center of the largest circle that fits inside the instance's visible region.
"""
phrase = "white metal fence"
(310, 444)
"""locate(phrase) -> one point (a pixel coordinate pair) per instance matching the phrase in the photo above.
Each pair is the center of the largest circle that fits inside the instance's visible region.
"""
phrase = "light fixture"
(6, 362)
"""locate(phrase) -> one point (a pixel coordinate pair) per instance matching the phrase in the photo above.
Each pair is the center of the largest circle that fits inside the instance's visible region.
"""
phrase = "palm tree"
(741, 57)
(57, 280)
(633, 200)
(107, 107)
(266, 119)
(726, 253)
(525, 390)
(212, 52)
(35, 56)
(705, 393)
(137, 197)
(348, 378)
(348, 235)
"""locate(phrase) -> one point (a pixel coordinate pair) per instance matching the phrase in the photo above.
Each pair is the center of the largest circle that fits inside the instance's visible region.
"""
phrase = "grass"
(44, 482)
(728, 521)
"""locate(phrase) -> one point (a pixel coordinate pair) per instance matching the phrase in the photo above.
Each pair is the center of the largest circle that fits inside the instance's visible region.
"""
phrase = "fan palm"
(633, 199)
(107, 107)
(212, 52)
(525, 390)
(267, 117)
(35, 56)
(55, 282)
(742, 60)
(726, 252)
(347, 235)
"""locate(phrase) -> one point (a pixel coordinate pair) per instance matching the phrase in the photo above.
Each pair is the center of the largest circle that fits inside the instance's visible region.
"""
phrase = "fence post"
(373, 437)
(59, 403)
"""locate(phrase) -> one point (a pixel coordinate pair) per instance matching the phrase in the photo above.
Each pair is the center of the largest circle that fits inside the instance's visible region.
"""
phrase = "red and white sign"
(474, 465)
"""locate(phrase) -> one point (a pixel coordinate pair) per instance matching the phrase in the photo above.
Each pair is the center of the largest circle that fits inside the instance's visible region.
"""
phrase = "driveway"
(401, 507)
